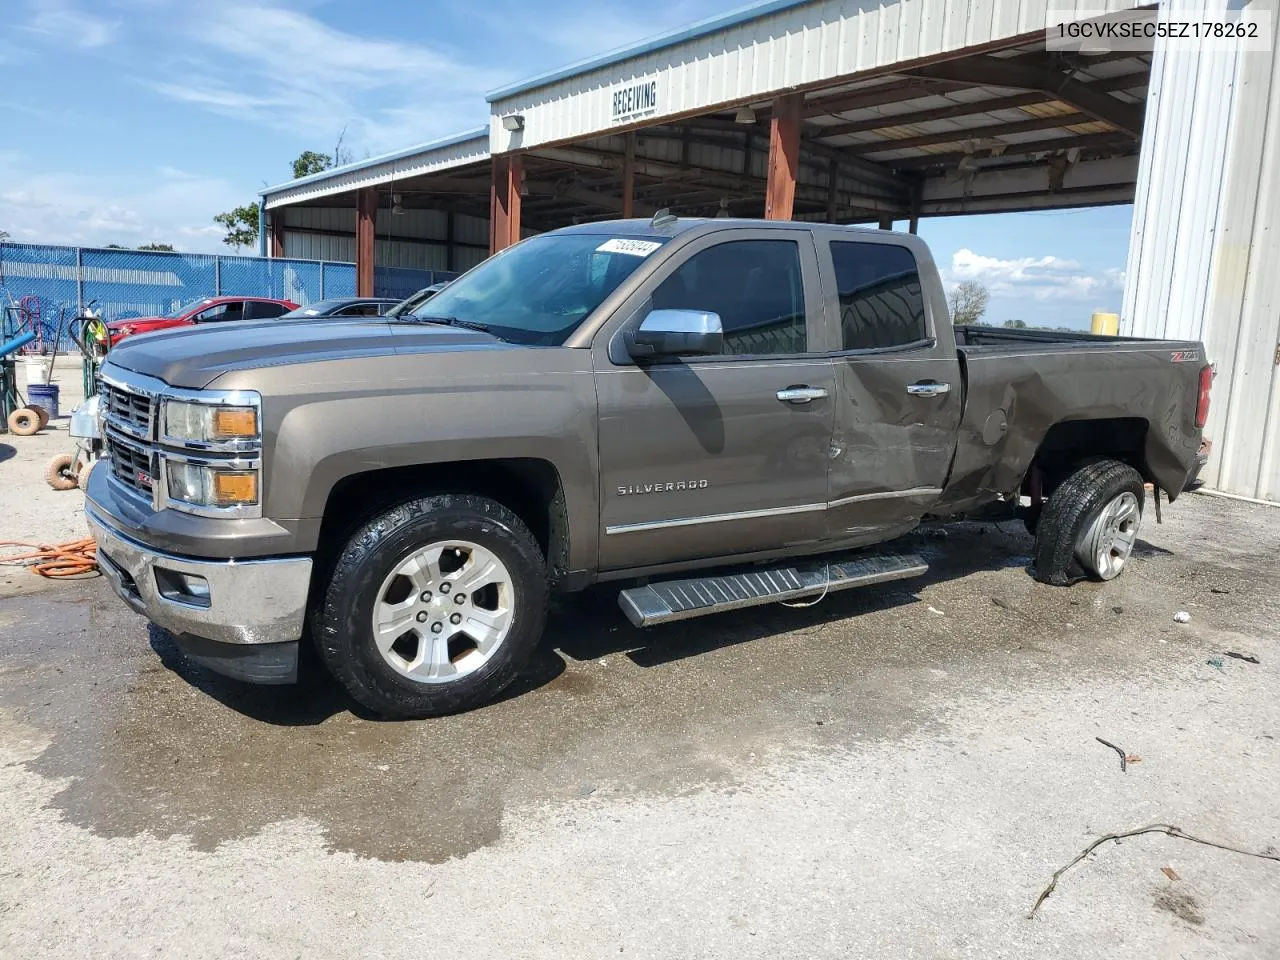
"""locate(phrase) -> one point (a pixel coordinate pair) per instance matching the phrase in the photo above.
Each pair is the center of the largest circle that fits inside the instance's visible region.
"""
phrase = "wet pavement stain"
(149, 743)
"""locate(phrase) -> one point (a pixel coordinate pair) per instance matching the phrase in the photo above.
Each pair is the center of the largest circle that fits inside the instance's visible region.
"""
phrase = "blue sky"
(134, 121)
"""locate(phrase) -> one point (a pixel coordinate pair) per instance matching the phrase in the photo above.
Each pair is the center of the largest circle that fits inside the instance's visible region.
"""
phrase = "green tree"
(310, 162)
(1016, 324)
(241, 225)
(161, 247)
(4, 235)
(968, 302)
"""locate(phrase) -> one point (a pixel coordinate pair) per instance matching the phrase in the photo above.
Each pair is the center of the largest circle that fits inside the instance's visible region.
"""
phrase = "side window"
(211, 314)
(754, 285)
(881, 304)
(223, 311)
(261, 310)
(359, 310)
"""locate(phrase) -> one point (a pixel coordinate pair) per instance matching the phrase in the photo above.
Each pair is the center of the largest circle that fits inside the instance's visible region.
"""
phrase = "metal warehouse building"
(853, 111)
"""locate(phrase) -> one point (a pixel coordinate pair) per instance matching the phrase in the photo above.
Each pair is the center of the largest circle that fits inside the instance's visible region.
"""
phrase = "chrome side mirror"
(671, 333)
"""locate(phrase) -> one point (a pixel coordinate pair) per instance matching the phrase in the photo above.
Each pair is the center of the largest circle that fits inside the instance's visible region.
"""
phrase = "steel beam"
(366, 222)
(504, 201)
(784, 158)
(991, 72)
(629, 177)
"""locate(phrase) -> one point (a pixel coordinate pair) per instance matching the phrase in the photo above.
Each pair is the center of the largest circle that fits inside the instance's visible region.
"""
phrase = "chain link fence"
(43, 288)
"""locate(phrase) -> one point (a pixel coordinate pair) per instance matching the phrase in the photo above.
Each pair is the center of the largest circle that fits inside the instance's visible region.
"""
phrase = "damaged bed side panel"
(1075, 399)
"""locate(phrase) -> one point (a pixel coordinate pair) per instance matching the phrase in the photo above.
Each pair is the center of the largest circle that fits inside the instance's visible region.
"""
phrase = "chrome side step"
(697, 596)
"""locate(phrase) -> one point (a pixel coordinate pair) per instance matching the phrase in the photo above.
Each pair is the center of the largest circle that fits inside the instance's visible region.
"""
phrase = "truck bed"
(981, 336)
(1022, 385)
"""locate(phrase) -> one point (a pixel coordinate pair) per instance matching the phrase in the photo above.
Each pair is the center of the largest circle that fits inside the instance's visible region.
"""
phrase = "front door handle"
(801, 394)
(928, 388)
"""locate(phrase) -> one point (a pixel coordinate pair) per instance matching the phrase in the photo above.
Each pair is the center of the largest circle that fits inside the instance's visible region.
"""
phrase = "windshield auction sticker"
(633, 248)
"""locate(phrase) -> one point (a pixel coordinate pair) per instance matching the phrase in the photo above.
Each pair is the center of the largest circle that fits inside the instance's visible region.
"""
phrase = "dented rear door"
(900, 392)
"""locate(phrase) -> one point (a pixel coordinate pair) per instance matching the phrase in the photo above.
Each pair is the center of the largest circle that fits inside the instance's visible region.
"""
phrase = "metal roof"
(425, 157)
(751, 11)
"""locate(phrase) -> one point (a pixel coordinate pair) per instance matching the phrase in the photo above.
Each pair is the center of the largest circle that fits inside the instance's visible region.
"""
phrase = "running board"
(697, 596)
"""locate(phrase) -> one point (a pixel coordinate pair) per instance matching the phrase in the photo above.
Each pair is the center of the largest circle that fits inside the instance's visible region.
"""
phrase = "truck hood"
(193, 357)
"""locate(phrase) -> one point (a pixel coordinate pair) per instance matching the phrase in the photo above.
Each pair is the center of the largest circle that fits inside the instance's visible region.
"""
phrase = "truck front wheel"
(433, 606)
(1089, 524)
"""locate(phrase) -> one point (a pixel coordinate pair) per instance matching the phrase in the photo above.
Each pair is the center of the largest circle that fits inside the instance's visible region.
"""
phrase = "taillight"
(1202, 401)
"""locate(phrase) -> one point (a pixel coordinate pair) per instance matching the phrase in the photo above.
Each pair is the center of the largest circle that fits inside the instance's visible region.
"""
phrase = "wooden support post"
(629, 178)
(917, 200)
(886, 223)
(366, 221)
(277, 233)
(784, 157)
(504, 202)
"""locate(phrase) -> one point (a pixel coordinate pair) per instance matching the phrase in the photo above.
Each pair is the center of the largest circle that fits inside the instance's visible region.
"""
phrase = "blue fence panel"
(39, 284)
(401, 282)
(339, 279)
(137, 283)
(36, 285)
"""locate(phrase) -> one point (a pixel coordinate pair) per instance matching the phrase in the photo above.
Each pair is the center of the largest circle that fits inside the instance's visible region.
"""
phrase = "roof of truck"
(672, 226)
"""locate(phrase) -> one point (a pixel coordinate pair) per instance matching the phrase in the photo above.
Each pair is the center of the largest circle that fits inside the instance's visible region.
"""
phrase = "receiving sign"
(634, 100)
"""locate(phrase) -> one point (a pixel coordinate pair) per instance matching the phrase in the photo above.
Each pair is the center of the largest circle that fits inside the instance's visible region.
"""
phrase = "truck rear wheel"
(433, 606)
(1089, 524)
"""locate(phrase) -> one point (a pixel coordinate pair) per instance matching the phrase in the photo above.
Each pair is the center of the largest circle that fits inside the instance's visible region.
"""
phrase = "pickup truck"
(710, 413)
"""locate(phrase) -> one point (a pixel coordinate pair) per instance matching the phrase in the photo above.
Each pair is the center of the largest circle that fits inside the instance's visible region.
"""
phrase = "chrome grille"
(132, 465)
(130, 412)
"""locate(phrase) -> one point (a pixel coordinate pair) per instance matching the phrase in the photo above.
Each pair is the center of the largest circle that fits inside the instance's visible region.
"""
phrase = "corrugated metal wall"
(1205, 243)
(763, 56)
(415, 238)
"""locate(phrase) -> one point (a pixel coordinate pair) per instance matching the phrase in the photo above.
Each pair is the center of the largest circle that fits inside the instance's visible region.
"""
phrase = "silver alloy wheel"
(443, 612)
(1106, 545)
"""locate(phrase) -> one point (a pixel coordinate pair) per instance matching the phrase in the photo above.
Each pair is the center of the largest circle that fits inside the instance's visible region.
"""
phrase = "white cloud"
(1036, 278)
(62, 22)
(162, 206)
(315, 80)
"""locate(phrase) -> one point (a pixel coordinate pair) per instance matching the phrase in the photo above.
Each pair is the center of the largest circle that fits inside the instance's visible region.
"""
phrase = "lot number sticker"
(633, 248)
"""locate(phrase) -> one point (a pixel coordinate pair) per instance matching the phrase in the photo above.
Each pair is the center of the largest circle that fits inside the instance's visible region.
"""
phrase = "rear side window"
(881, 304)
(754, 285)
(261, 310)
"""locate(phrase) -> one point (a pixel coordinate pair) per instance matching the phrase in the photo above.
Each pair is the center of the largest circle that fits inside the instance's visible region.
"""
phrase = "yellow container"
(1107, 324)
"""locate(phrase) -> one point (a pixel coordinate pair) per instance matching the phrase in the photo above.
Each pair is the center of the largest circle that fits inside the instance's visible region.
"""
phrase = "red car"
(204, 310)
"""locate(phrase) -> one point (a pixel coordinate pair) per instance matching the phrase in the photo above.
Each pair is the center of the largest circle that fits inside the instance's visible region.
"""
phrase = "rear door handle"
(928, 388)
(801, 394)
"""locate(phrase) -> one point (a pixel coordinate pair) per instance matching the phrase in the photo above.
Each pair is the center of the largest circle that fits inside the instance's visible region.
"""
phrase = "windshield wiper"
(449, 320)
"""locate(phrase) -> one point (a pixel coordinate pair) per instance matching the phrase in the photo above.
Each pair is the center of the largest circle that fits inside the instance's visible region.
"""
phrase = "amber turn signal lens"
(231, 489)
(234, 422)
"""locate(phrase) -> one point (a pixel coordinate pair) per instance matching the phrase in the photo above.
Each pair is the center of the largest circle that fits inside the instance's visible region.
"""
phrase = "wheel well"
(1072, 443)
(528, 487)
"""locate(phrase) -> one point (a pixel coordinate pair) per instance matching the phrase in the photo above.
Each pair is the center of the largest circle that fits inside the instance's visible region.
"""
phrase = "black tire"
(341, 619)
(1068, 513)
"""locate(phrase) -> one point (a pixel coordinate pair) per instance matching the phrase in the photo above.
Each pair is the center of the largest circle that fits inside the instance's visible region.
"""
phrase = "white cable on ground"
(826, 588)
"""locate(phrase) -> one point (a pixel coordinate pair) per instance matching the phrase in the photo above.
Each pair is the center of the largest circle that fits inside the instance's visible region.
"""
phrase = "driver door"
(705, 456)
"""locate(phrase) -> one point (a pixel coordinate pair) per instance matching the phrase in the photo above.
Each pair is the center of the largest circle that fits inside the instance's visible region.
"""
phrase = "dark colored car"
(342, 307)
(410, 304)
(204, 310)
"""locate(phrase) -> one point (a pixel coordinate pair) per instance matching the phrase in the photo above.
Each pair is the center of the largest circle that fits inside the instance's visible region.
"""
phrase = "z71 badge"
(629, 490)
(1185, 356)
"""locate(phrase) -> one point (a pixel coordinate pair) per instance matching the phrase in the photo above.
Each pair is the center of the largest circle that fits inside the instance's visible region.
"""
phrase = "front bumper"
(245, 607)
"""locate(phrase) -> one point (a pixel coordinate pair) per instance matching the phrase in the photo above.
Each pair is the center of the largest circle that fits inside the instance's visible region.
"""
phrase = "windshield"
(187, 307)
(539, 291)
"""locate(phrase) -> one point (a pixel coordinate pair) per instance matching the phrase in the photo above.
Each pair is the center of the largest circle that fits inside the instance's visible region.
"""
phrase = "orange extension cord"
(71, 559)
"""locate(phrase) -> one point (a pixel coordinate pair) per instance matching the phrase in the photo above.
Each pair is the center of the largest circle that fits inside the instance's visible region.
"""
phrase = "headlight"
(211, 486)
(207, 423)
